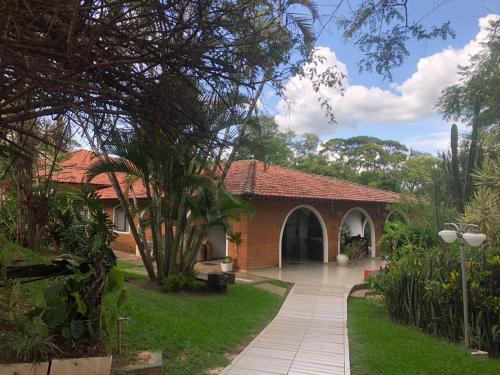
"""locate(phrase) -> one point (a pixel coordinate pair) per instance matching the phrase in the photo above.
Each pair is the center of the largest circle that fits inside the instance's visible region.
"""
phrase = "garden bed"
(31, 292)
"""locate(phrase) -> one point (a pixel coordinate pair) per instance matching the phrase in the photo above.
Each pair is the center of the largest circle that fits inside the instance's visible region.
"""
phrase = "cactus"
(455, 170)
(473, 157)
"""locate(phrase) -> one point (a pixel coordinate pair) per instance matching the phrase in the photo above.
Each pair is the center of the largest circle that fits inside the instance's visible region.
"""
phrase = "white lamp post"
(470, 234)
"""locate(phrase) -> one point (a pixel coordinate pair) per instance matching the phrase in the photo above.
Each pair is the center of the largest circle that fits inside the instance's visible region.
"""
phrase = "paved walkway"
(309, 334)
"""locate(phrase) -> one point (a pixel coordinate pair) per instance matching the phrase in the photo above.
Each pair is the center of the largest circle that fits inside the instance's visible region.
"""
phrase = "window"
(120, 221)
(84, 213)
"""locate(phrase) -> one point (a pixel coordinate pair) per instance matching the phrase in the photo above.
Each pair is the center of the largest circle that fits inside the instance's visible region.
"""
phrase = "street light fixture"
(464, 233)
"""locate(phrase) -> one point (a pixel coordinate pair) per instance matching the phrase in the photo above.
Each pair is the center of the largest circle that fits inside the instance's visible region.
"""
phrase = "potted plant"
(235, 238)
(357, 248)
(343, 258)
(227, 264)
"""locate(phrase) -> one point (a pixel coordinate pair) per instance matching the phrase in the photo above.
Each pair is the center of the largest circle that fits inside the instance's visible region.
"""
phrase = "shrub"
(31, 342)
(422, 288)
(356, 248)
(178, 282)
(403, 238)
(8, 216)
(71, 306)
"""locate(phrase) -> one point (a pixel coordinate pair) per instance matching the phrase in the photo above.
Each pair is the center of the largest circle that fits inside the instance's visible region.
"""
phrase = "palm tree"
(132, 161)
(182, 205)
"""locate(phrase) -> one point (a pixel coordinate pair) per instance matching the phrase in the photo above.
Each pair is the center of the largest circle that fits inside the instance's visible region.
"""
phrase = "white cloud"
(433, 142)
(410, 101)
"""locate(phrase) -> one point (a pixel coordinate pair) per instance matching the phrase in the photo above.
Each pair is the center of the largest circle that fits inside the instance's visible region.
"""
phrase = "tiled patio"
(309, 334)
(318, 273)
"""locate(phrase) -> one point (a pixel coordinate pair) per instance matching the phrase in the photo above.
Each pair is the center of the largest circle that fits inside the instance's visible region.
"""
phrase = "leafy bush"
(71, 307)
(81, 235)
(356, 248)
(400, 238)
(31, 342)
(178, 282)
(8, 216)
(422, 288)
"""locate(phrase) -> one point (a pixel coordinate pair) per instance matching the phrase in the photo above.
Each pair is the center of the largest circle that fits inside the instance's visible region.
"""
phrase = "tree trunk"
(148, 264)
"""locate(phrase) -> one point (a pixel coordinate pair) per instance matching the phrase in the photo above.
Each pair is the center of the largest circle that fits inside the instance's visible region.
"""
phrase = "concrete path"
(307, 337)
(309, 334)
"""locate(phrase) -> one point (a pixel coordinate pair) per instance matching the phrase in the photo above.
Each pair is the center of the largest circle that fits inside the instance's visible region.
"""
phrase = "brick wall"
(261, 233)
(125, 241)
(244, 253)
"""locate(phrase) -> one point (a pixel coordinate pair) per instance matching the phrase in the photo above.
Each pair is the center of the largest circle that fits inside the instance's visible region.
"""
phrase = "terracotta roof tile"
(251, 177)
(73, 170)
(246, 177)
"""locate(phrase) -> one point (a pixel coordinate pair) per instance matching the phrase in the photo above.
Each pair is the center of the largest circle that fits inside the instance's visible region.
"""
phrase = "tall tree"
(212, 122)
(382, 29)
(265, 142)
(474, 101)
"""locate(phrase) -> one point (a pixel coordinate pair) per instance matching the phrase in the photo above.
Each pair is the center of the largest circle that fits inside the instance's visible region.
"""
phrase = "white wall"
(355, 221)
(217, 238)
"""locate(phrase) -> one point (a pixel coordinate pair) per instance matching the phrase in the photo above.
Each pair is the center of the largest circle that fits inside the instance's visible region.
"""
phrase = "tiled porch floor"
(318, 273)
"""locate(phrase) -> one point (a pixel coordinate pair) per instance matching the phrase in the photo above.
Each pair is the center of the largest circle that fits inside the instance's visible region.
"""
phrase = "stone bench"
(216, 281)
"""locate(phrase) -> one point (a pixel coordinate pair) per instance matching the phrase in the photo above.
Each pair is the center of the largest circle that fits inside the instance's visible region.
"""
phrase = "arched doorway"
(396, 216)
(303, 237)
(357, 224)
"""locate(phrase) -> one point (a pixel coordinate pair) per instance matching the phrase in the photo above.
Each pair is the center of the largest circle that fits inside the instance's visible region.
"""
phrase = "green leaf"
(77, 329)
(115, 280)
(56, 312)
(122, 298)
(81, 307)
(66, 332)
(40, 327)
(53, 291)
(15, 293)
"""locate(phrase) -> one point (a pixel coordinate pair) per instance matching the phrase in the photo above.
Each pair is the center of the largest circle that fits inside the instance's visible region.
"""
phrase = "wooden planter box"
(41, 368)
(73, 366)
(81, 366)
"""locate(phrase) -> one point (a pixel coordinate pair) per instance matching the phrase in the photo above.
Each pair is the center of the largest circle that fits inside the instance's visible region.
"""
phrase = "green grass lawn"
(194, 330)
(129, 266)
(381, 347)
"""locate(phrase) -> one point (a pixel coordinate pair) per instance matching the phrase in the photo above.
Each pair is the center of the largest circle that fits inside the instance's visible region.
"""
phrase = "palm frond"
(305, 27)
(311, 6)
(113, 165)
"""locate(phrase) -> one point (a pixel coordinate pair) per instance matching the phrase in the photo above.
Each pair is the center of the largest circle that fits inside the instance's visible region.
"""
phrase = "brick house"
(298, 216)
(72, 174)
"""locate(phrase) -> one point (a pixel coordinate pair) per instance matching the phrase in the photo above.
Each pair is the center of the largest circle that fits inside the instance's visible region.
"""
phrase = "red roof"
(73, 170)
(255, 178)
(245, 178)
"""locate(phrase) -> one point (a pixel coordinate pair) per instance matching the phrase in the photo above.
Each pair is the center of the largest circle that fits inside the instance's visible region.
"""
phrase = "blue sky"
(402, 109)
